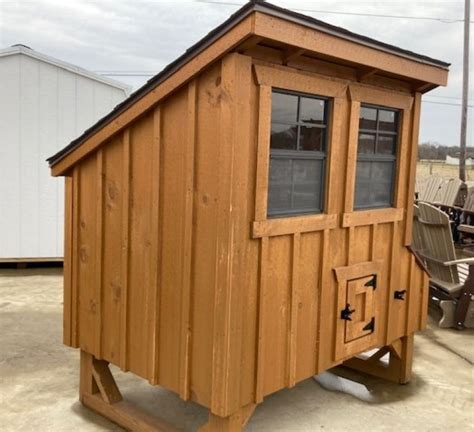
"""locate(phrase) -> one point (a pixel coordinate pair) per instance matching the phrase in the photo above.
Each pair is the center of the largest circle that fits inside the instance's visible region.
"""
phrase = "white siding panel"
(29, 157)
(9, 156)
(42, 108)
(48, 143)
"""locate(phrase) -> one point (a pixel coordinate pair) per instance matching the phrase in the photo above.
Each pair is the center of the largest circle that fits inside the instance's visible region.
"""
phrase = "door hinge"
(399, 295)
(370, 325)
(347, 312)
(372, 282)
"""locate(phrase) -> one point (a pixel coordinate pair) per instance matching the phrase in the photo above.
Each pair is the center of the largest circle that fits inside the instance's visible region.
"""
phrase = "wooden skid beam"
(233, 423)
(398, 369)
(99, 392)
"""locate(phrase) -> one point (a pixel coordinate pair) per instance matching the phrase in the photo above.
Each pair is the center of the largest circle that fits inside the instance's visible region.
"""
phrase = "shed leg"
(234, 423)
(99, 392)
(399, 365)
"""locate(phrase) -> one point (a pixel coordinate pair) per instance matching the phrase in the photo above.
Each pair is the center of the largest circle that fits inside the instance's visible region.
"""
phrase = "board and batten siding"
(42, 108)
(173, 271)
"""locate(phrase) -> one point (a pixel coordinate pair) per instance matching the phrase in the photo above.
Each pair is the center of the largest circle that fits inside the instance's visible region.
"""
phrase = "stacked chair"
(450, 264)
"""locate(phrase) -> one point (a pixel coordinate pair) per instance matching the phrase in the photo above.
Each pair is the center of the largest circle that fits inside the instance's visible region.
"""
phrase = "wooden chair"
(447, 193)
(428, 190)
(466, 217)
(451, 270)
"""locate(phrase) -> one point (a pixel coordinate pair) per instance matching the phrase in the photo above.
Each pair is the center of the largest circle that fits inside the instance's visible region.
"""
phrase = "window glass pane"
(307, 177)
(366, 144)
(279, 185)
(368, 118)
(284, 108)
(311, 110)
(381, 171)
(311, 138)
(381, 194)
(386, 144)
(387, 120)
(283, 137)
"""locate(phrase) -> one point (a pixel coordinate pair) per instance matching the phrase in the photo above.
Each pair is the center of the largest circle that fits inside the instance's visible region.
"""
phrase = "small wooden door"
(360, 297)
(357, 312)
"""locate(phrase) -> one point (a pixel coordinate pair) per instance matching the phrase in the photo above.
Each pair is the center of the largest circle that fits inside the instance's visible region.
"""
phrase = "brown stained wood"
(276, 227)
(394, 306)
(227, 303)
(369, 217)
(324, 314)
(198, 291)
(292, 79)
(263, 258)
(68, 256)
(75, 259)
(334, 47)
(125, 234)
(294, 300)
(364, 73)
(193, 67)
(415, 127)
(112, 251)
(403, 152)
(263, 152)
(376, 96)
(236, 422)
(187, 243)
(155, 253)
(87, 247)
(351, 156)
(335, 159)
(399, 367)
(291, 54)
(99, 251)
(249, 44)
(105, 382)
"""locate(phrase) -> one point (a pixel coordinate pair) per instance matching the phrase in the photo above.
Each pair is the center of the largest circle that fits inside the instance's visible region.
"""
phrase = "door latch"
(370, 325)
(399, 295)
(372, 282)
(347, 312)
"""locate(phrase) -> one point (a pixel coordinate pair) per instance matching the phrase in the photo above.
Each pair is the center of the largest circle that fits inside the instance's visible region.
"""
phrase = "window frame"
(287, 154)
(391, 99)
(378, 157)
(282, 77)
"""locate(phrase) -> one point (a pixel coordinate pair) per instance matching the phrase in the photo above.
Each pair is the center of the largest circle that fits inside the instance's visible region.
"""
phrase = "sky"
(130, 40)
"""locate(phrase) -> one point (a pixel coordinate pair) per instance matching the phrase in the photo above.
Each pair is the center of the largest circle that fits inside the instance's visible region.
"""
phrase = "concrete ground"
(39, 380)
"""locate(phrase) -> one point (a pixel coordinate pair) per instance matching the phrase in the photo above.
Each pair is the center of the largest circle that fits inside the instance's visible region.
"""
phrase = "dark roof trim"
(211, 37)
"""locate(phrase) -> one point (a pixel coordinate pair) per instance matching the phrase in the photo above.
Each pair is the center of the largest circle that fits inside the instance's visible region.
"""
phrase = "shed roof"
(26, 50)
(246, 10)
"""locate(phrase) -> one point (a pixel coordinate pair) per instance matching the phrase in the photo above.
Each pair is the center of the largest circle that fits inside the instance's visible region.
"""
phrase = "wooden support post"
(99, 392)
(399, 366)
(233, 423)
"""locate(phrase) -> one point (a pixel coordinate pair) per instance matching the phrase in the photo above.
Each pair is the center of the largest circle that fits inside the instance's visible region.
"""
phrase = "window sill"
(371, 217)
(292, 225)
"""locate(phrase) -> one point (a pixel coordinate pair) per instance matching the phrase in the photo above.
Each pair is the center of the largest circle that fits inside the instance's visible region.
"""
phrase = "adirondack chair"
(429, 189)
(451, 270)
(447, 193)
(466, 216)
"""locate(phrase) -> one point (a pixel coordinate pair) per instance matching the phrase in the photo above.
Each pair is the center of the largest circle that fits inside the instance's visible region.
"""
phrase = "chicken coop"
(243, 221)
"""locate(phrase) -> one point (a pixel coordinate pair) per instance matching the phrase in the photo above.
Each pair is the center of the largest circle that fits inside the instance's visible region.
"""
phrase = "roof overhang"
(256, 21)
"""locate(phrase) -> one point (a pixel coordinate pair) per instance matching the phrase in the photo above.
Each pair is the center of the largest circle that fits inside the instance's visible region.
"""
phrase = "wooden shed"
(243, 221)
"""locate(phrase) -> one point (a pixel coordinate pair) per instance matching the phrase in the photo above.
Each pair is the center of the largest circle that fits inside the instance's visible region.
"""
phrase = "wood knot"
(83, 255)
(93, 306)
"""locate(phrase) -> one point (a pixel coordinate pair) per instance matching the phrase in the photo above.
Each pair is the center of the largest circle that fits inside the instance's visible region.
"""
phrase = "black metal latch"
(372, 282)
(399, 295)
(347, 312)
(370, 325)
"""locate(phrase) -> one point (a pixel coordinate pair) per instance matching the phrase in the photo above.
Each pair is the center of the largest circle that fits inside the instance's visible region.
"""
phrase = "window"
(297, 154)
(376, 157)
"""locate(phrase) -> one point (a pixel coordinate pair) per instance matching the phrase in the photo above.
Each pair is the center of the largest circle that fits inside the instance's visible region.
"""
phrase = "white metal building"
(44, 104)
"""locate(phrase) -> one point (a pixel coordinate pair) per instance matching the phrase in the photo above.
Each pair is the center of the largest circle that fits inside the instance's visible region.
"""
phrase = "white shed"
(44, 104)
